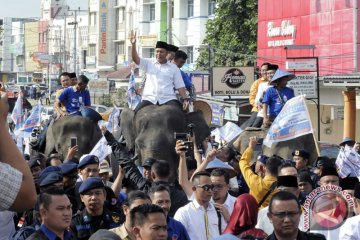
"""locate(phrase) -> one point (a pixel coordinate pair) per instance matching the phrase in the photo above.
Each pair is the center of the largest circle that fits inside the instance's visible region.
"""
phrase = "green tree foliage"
(231, 35)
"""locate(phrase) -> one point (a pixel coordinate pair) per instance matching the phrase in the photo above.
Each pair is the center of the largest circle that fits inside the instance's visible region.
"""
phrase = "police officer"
(51, 177)
(301, 158)
(69, 172)
(95, 216)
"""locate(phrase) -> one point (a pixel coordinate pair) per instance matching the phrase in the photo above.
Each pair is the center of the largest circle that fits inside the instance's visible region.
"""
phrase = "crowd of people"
(218, 192)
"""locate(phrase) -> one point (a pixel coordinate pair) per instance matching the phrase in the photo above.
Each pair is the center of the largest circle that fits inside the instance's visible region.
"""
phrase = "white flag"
(101, 149)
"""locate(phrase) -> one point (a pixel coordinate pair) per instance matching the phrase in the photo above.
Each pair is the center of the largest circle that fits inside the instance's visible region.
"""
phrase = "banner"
(101, 149)
(114, 119)
(33, 120)
(293, 121)
(348, 162)
(227, 132)
(17, 113)
(133, 97)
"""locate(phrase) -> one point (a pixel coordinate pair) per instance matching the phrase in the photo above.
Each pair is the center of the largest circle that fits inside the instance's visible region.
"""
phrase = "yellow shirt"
(253, 92)
(258, 186)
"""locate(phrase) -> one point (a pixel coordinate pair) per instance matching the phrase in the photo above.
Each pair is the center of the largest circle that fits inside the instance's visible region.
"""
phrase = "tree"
(231, 35)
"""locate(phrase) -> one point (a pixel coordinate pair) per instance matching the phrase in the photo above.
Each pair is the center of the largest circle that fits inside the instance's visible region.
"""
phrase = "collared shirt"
(253, 92)
(10, 184)
(121, 232)
(161, 79)
(258, 186)
(274, 102)
(265, 224)
(176, 230)
(52, 236)
(200, 223)
(74, 100)
(229, 205)
(350, 230)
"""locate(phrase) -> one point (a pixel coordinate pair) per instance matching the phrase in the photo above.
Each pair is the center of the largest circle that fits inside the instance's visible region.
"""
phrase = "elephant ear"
(127, 127)
(201, 128)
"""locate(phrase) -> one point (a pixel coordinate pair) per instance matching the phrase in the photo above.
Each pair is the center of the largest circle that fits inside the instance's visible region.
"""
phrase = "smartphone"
(258, 147)
(73, 141)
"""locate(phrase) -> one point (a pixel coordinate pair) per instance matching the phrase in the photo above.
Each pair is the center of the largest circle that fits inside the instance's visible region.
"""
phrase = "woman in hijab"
(244, 218)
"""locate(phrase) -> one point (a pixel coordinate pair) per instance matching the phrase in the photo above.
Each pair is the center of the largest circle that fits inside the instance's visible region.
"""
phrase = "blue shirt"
(176, 230)
(275, 104)
(186, 79)
(52, 236)
(74, 100)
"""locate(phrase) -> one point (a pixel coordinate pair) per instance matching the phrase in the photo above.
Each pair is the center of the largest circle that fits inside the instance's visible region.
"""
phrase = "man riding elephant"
(75, 98)
(162, 77)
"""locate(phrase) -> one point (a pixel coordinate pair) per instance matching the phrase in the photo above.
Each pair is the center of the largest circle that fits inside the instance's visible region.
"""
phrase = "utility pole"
(75, 28)
(65, 65)
(169, 21)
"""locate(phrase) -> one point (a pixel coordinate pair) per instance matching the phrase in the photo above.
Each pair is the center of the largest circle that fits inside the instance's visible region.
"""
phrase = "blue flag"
(34, 119)
(17, 113)
(133, 97)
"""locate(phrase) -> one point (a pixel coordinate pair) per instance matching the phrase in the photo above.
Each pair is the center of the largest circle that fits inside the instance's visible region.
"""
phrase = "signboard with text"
(232, 81)
(304, 84)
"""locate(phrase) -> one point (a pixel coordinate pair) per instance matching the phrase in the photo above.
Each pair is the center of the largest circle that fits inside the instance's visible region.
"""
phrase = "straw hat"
(205, 109)
(217, 163)
(282, 74)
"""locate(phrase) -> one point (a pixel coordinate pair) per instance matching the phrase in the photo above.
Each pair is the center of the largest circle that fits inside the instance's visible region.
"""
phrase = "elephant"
(283, 149)
(59, 133)
(150, 133)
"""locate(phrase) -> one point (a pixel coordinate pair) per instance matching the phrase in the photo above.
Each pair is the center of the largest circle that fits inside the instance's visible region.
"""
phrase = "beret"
(263, 159)
(91, 183)
(50, 178)
(86, 160)
(67, 168)
(301, 153)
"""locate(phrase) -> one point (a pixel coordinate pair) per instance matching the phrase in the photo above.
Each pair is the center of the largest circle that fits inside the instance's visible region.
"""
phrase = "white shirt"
(229, 205)
(350, 230)
(265, 224)
(259, 95)
(192, 216)
(161, 79)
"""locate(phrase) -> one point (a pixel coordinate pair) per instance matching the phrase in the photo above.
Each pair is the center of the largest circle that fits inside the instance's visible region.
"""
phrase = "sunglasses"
(206, 187)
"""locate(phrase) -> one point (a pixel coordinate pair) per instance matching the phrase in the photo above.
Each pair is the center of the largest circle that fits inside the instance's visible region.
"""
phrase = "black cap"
(273, 67)
(329, 171)
(301, 153)
(287, 181)
(172, 48)
(304, 176)
(161, 44)
(357, 191)
(72, 75)
(348, 183)
(91, 183)
(149, 162)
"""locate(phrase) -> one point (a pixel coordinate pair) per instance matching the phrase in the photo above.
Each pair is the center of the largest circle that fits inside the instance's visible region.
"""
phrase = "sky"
(31, 8)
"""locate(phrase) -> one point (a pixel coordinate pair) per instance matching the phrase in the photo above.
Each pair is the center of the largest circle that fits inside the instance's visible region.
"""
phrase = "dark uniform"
(84, 225)
(302, 236)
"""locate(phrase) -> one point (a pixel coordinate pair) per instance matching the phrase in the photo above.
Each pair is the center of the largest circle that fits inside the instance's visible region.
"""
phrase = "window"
(120, 48)
(92, 18)
(152, 12)
(190, 8)
(190, 53)
(211, 7)
(92, 49)
(121, 15)
(152, 53)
